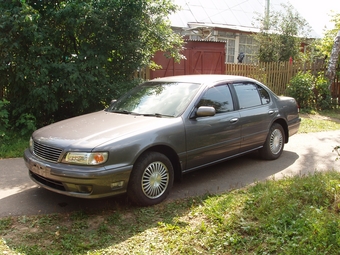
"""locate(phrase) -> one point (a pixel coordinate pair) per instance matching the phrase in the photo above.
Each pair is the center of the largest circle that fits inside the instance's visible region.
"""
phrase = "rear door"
(257, 112)
(213, 138)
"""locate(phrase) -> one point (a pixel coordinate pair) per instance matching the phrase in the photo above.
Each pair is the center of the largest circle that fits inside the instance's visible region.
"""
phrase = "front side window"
(249, 95)
(218, 97)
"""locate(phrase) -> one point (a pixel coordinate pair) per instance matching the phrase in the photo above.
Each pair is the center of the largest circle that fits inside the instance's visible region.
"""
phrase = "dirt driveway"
(305, 153)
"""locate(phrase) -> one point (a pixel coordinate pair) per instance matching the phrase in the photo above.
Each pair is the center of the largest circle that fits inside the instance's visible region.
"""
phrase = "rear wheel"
(274, 144)
(151, 179)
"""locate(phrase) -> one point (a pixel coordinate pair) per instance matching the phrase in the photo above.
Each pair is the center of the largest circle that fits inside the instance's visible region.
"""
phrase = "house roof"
(231, 14)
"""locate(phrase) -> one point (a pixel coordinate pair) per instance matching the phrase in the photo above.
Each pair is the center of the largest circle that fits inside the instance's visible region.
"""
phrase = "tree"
(61, 58)
(334, 58)
(329, 46)
(280, 33)
(325, 45)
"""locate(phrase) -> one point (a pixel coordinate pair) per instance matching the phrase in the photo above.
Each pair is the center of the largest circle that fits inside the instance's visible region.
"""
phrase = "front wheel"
(151, 179)
(273, 147)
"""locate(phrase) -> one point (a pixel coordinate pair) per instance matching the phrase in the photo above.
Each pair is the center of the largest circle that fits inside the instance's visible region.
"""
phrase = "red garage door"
(201, 58)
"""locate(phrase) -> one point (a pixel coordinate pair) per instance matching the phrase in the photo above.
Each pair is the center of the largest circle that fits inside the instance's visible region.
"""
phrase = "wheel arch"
(172, 156)
(284, 125)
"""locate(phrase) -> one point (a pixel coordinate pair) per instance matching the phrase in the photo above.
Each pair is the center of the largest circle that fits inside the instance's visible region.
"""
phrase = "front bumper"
(78, 181)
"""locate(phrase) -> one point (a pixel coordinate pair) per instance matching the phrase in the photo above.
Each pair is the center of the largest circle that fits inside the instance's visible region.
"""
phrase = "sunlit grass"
(310, 125)
(294, 215)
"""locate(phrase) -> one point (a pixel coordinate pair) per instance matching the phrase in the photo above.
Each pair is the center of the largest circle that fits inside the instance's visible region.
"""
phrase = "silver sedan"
(160, 130)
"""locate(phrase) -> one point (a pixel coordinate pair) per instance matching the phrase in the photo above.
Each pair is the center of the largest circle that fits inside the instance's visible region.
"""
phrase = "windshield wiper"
(125, 112)
(158, 115)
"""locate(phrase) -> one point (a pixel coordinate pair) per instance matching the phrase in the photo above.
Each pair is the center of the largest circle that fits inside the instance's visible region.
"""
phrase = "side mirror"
(113, 101)
(204, 111)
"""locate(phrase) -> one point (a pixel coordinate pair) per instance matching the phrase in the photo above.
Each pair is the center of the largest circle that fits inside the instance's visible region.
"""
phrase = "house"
(228, 21)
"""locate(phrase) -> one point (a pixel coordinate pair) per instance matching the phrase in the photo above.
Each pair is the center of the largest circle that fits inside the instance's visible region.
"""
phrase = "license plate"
(40, 170)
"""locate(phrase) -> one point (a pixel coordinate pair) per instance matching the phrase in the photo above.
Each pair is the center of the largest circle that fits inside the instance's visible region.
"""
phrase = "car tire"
(151, 179)
(273, 147)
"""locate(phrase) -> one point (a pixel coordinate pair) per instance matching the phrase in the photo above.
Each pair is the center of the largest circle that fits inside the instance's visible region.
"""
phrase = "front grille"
(48, 182)
(46, 152)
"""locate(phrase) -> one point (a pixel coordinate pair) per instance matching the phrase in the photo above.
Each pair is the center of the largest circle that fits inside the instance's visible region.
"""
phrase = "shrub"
(4, 117)
(323, 95)
(26, 123)
(301, 88)
(311, 93)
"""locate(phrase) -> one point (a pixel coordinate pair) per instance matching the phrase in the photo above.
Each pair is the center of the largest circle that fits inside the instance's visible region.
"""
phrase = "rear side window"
(218, 97)
(265, 99)
(250, 95)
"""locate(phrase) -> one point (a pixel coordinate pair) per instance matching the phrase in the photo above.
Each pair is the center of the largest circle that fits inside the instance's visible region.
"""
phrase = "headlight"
(31, 144)
(85, 158)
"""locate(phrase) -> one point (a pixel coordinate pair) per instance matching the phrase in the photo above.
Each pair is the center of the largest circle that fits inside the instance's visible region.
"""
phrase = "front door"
(213, 138)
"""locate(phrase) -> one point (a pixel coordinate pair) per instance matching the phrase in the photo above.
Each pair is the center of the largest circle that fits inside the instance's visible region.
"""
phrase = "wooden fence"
(276, 75)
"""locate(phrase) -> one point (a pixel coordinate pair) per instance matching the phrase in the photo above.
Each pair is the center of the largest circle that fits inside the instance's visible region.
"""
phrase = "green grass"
(317, 122)
(294, 215)
(309, 125)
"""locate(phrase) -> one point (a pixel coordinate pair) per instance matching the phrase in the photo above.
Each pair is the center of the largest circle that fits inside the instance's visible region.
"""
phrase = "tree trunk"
(333, 59)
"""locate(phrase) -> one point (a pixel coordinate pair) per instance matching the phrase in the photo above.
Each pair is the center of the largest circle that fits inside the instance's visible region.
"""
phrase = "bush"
(4, 117)
(301, 88)
(310, 92)
(26, 123)
(65, 58)
(322, 93)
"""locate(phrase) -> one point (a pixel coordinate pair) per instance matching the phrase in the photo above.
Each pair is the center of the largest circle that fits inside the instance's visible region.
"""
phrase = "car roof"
(202, 78)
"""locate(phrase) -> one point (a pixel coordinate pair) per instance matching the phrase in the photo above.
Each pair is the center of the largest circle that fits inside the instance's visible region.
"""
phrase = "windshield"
(156, 99)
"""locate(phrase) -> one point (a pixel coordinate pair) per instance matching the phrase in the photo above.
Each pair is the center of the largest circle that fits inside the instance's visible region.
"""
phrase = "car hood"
(91, 130)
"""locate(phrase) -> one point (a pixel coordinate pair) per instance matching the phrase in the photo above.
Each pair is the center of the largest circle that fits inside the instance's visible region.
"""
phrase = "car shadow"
(232, 174)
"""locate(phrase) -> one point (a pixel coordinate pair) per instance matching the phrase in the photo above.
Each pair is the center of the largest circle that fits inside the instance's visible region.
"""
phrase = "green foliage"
(323, 95)
(325, 45)
(4, 121)
(310, 92)
(280, 34)
(26, 123)
(301, 88)
(13, 144)
(64, 58)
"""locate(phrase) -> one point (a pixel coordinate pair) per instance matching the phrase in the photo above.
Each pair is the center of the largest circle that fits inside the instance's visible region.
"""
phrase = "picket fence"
(276, 75)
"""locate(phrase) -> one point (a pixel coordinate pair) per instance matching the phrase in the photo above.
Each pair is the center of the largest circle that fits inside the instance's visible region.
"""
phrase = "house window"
(230, 51)
(249, 47)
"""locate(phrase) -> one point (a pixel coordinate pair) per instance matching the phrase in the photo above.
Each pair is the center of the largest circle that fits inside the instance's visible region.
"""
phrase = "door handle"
(233, 120)
(271, 112)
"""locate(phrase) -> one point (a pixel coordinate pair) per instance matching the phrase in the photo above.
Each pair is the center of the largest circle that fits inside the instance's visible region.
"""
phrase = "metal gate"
(200, 58)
